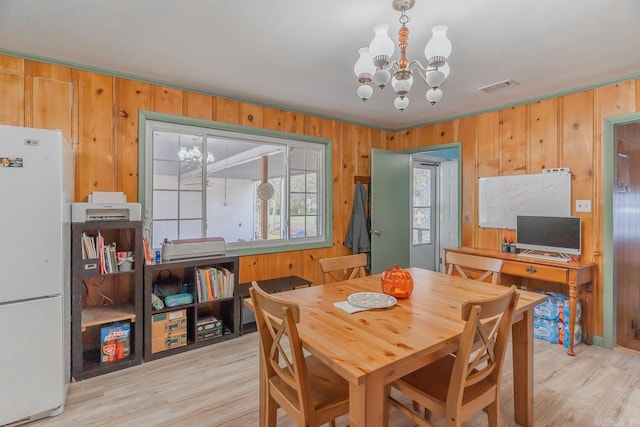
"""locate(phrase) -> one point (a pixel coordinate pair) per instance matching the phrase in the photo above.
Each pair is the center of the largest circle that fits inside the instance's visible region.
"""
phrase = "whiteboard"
(503, 198)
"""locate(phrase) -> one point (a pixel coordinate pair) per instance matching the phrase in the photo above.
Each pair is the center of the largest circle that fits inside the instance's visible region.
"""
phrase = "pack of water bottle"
(556, 308)
(551, 320)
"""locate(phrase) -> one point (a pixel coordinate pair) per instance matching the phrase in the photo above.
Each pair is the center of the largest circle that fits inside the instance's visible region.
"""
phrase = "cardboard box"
(174, 339)
(166, 323)
(114, 342)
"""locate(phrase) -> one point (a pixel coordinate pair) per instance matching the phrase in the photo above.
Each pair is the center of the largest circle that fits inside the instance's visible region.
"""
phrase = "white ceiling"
(299, 55)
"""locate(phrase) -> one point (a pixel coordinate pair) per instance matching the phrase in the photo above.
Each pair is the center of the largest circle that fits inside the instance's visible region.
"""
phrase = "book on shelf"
(110, 259)
(100, 245)
(89, 250)
(107, 254)
(213, 284)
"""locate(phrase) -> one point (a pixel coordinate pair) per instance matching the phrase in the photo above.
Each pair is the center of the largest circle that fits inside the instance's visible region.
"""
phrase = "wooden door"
(390, 210)
(626, 234)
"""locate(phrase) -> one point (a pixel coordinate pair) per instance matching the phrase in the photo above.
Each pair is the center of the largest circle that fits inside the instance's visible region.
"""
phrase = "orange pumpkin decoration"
(397, 282)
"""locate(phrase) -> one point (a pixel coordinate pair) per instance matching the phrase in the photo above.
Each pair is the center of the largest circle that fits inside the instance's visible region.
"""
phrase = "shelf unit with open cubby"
(225, 309)
(103, 300)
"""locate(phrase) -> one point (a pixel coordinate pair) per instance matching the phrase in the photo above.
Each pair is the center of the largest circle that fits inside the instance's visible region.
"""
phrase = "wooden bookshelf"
(190, 335)
(104, 299)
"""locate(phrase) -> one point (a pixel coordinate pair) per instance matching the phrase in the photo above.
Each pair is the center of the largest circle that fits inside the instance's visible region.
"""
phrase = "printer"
(193, 248)
(88, 212)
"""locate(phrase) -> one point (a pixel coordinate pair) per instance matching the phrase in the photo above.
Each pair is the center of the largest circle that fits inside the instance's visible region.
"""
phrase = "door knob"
(376, 232)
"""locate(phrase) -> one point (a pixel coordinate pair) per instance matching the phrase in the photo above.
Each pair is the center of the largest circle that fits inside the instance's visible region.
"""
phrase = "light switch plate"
(583, 205)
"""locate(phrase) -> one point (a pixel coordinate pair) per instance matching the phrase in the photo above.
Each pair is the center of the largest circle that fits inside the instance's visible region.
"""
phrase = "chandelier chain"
(404, 19)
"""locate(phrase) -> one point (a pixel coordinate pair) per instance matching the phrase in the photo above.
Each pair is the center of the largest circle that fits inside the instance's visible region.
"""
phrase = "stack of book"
(214, 283)
(89, 246)
(94, 247)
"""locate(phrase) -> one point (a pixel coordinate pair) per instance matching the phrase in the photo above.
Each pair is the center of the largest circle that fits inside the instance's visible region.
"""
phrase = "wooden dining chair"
(462, 384)
(473, 266)
(341, 268)
(309, 391)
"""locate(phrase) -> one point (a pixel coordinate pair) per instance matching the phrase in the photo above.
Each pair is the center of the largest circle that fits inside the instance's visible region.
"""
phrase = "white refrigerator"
(36, 191)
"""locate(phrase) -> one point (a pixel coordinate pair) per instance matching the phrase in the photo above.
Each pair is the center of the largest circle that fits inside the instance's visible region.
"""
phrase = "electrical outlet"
(583, 205)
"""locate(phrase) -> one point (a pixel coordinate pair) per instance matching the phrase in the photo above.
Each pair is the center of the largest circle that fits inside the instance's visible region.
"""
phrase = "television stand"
(548, 256)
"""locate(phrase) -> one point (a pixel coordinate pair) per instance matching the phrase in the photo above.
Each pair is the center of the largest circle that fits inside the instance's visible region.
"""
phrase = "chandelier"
(375, 66)
(193, 155)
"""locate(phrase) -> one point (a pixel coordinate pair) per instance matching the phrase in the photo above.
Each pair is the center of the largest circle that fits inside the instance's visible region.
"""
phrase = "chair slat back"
(488, 324)
(473, 266)
(281, 347)
(337, 269)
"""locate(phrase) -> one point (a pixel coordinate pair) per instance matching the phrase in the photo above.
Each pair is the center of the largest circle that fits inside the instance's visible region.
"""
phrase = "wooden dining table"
(372, 348)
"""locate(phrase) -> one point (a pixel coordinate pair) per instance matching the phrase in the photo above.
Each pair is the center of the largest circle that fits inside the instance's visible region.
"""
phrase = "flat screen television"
(549, 234)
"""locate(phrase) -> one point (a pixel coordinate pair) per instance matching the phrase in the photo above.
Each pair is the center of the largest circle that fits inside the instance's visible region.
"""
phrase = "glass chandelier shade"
(364, 67)
(375, 67)
(381, 47)
(439, 47)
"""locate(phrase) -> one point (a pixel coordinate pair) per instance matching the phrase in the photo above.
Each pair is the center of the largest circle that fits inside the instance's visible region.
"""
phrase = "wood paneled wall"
(99, 114)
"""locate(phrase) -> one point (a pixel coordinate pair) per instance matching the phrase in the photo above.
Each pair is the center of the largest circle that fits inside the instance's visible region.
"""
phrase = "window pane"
(312, 226)
(312, 182)
(164, 230)
(312, 204)
(312, 159)
(298, 227)
(421, 225)
(230, 212)
(303, 226)
(165, 175)
(165, 205)
(165, 145)
(421, 218)
(190, 229)
(297, 204)
(190, 149)
(297, 181)
(421, 187)
(190, 176)
(190, 205)
(421, 237)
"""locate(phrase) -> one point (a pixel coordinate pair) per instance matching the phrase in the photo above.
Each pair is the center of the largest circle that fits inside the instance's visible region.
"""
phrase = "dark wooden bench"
(272, 286)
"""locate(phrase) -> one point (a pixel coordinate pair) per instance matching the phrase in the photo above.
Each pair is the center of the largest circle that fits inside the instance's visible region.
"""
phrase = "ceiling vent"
(495, 86)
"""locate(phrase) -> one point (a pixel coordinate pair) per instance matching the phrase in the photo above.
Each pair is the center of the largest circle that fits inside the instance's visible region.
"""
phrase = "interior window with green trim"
(256, 190)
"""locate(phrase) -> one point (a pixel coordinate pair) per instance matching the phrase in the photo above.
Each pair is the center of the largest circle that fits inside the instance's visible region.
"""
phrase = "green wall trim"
(608, 267)
(144, 115)
(310, 113)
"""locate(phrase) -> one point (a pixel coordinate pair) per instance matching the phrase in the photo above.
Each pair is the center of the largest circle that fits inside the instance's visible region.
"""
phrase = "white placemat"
(350, 308)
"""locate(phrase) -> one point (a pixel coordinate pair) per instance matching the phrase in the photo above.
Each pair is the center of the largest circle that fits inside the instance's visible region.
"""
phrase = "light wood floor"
(218, 386)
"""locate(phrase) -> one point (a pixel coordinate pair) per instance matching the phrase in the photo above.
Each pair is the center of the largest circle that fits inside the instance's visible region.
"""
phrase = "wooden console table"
(576, 275)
